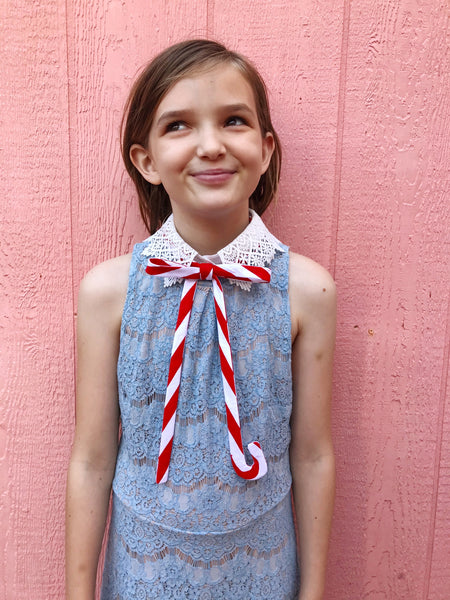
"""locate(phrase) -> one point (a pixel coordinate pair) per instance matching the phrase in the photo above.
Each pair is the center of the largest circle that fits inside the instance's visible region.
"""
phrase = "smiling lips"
(213, 176)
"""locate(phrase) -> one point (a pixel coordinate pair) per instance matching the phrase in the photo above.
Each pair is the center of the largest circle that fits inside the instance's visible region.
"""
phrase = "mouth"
(213, 176)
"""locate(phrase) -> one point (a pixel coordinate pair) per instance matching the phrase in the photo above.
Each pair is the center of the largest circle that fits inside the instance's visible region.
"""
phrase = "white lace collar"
(255, 246)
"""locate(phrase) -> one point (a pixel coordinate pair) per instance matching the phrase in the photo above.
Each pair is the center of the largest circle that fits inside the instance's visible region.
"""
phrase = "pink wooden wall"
(360, 95)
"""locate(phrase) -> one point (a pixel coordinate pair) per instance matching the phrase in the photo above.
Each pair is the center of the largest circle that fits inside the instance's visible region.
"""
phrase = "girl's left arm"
(313, 314)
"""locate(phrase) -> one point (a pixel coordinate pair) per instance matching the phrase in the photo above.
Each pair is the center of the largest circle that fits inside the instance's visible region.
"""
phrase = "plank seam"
(437, 456)
(209, 18)
(69, 144)
(339, 135)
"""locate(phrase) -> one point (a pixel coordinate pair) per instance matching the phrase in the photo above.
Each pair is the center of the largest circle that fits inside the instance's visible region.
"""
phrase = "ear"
(268, 146)
(141, 159)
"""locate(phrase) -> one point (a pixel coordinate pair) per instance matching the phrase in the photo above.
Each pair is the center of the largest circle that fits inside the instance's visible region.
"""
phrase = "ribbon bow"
(191, 274)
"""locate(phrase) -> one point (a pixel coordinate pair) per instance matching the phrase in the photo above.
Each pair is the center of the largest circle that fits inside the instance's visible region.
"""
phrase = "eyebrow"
(177, 114)
(237, 107)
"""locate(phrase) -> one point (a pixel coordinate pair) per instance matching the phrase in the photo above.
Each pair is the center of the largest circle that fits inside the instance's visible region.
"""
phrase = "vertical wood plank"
(392, 262)
(108, 43)
(296, 46)
(36, 316)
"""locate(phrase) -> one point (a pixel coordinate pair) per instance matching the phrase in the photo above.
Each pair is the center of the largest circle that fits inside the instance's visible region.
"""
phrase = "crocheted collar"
(255, 246)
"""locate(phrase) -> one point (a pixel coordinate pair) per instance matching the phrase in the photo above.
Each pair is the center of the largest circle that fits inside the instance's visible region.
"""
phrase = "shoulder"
(107, 280)
(103, 289)
(308, 278)
(312, 292)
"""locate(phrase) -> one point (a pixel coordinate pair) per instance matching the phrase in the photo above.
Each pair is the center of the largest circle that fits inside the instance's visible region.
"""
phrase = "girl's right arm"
(101, 299)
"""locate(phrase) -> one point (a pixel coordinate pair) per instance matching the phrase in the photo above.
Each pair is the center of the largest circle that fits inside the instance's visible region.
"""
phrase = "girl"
(212, 344)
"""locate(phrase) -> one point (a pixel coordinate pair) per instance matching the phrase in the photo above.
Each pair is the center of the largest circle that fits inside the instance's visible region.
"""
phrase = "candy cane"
(211, 272)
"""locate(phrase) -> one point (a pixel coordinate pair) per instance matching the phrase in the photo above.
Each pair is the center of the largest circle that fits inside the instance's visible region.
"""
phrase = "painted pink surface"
(36, 314)
(360, 95)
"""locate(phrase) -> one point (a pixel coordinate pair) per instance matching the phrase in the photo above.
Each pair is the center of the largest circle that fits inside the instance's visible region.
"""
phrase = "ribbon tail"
(258, 468)
(254, 471)
(174, 380)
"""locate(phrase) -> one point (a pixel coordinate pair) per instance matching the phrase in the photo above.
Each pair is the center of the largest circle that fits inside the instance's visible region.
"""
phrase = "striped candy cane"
(191, 274)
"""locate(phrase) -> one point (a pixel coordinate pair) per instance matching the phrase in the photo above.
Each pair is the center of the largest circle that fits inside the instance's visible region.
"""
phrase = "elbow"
(320, 459)
(94, 463)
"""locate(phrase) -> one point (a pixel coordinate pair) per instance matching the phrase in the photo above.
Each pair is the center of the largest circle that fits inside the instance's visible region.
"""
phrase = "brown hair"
(153, 83)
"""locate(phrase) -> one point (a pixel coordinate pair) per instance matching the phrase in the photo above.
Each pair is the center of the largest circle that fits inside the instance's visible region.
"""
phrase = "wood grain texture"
(36, 317)
(392, 272)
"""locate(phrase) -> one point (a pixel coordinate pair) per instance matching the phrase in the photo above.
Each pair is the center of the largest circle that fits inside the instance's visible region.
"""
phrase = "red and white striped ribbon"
(191, 274)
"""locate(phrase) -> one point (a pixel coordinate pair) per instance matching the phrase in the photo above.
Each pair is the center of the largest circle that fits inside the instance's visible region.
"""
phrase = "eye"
(235, 121)
(175, 126)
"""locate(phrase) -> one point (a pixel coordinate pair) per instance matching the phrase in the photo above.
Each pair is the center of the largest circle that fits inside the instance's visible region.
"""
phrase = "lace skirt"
(147, 561)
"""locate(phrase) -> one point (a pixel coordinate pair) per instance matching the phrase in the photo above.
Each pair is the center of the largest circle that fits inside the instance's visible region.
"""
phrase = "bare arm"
(313, 310)
(94, 452)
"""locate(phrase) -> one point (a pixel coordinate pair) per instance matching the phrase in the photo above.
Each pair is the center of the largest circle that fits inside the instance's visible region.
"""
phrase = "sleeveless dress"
(206, 533)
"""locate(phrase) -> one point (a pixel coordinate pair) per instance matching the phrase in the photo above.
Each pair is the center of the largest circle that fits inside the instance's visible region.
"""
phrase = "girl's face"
(205, 146)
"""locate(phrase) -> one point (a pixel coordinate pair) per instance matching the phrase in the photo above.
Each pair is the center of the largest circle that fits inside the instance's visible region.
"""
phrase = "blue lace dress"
(206, 533)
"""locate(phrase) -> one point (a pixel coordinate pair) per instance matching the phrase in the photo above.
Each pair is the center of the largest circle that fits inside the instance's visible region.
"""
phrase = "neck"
(208, 236)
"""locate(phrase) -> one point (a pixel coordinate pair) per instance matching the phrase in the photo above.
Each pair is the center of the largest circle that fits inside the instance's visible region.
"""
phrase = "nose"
(210, 144)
